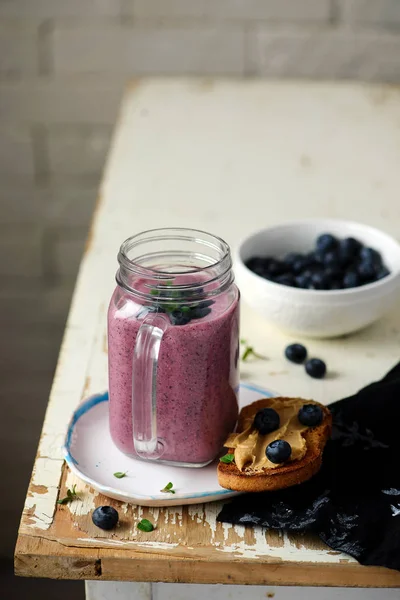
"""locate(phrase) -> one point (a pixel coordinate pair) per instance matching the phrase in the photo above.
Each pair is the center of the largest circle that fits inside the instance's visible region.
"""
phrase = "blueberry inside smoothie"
(197, 373)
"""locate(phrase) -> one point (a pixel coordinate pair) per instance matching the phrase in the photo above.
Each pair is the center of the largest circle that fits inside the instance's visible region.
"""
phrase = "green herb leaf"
(249, 351)
(228, 458)
(154, 292)
(71, 495)
(145, 525)
(120, 475)
(168, 489)
(185, 309)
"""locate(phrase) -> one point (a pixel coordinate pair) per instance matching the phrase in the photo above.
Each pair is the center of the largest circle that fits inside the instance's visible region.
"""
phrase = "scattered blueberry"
(326, 242)
(310, 415)
(296, 353)
(316, 368)
(278, 451)
(351, 279)
(266, 420)
(105, 517)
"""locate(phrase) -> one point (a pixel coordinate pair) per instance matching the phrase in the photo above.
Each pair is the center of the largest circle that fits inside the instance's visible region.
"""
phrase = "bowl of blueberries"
(321, 277)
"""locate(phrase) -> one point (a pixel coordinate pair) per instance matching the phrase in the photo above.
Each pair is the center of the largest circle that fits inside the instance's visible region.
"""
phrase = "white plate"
(92, 456)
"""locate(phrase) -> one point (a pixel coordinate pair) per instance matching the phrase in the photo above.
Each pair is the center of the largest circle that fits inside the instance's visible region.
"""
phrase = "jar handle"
(144, 386)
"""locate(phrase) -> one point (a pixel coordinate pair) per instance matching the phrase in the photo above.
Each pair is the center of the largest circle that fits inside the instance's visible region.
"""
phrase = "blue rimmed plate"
(92, 456)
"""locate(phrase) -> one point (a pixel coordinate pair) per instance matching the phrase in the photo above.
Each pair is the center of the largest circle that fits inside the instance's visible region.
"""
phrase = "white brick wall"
(77, 151)
(244, 10)
(324, 54)
(64, 63)
(149, 50)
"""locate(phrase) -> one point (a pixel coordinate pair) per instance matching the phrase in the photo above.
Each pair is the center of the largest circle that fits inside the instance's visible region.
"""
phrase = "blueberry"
(145, 310)
(319, 257)
(320, 281)
(105, 517)
(333, 272)
(326, 242)
(199, 313)
(179, 317)
(286, 279)
(205, 304)
(384, 272)
(351, 279)
(366, 270)
(266, 420)
(348, 249)
(278, 451)
(291, 258)
(303, 280)
(276, 267)
(296, 353)
(316, 368)
(258, 265)
(335, 285)
(370, 255)
(301, 264)
(310, 415)
(330, 259)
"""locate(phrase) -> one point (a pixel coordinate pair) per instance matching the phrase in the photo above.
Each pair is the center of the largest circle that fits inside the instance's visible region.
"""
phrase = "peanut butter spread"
(250, 445)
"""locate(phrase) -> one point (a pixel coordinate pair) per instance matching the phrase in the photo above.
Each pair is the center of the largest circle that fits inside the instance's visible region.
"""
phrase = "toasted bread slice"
(283, 476)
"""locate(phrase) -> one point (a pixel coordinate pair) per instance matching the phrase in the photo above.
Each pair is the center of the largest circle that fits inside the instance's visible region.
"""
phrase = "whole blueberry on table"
(278, 451)
(326, 242)
(105, 517)
(351, 279)
(296, 353)
(310, 415)
(316, 368)
(266, 420)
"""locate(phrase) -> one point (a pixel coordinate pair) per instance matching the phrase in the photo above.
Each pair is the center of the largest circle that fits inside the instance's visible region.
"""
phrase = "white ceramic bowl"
(317, 313)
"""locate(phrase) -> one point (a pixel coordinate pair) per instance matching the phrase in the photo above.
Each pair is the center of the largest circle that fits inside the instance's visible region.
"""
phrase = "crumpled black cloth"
(353, 504)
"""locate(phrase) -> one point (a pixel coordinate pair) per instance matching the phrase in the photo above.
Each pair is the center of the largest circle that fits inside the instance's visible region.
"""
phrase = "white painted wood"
(110, 590)
(117, 590)
(231, 157)
(172, 591)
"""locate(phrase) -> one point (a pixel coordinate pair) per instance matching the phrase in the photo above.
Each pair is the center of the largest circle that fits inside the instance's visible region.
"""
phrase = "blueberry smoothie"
(197, 374)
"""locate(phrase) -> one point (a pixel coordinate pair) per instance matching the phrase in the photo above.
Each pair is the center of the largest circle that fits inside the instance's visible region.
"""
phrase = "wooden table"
(228, 157)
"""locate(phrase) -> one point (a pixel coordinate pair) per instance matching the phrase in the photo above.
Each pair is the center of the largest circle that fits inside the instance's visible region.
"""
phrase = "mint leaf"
(168, 489)
(228, 458)
(120, 475)
(71, 495)
(249, 351)
(145, 525)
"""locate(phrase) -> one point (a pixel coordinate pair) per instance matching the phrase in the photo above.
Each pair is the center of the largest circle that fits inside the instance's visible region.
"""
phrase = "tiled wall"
(63, 64)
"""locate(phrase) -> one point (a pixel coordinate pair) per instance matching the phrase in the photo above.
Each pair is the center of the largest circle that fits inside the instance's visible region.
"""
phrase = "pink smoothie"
(197, 379)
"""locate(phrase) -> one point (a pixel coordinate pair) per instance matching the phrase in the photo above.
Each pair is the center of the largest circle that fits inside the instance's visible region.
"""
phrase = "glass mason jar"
(173, 347)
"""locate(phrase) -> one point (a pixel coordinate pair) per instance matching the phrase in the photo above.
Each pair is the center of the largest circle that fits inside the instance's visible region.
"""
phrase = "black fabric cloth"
(353, 504)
